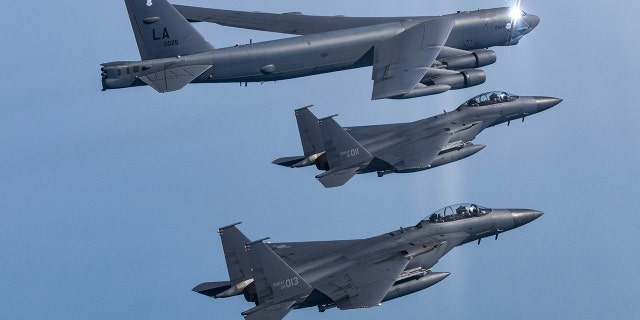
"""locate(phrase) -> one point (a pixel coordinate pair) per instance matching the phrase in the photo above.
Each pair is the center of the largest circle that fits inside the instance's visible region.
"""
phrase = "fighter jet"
(351, 274)
(404, 147)
(411, 56)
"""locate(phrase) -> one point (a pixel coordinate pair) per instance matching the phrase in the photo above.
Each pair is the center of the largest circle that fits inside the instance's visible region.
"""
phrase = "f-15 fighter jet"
(351, 274)
(411, 56)
(404, 147)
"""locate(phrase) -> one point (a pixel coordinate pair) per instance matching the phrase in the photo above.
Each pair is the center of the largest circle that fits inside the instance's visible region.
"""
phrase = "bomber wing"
(401, 62)
(289, 23)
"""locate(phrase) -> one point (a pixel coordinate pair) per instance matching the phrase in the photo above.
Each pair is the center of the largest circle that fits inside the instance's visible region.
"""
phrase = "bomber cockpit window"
(488, 98)
(458, 212)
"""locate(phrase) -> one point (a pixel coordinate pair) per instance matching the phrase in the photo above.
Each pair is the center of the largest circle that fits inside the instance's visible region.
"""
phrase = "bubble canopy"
(458, 212)
(488, 98)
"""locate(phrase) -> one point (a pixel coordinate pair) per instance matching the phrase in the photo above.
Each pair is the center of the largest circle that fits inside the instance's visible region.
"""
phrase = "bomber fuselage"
(320, 53)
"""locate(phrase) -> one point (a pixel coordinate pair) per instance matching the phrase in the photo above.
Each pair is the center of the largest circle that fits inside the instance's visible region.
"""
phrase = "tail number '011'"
(351, 152)
(287, 283)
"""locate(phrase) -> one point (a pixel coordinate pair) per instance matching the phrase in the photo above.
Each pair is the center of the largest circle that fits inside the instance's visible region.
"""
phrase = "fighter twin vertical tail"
(310, 137)
(278, 286)
(233, 245)
(162, 32)
(345, 155)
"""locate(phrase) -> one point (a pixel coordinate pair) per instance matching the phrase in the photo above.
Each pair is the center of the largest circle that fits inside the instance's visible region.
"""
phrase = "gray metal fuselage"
(407, 242)
(483, 116)
(323, 52)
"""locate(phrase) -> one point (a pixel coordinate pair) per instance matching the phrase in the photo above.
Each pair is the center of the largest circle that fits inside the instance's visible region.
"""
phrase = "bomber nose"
(532, 21)
(545, 103)
(524, 216)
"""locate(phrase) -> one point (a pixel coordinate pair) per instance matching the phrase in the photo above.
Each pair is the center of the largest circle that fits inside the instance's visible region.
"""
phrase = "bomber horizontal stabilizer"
(172, 79)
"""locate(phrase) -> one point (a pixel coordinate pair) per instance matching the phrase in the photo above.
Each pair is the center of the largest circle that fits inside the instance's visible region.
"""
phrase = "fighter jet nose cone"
(545, 103)
(524, 216)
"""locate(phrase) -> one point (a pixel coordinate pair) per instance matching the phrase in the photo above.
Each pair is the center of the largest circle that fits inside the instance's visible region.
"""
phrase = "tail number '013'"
(287, 283)
(351, 152)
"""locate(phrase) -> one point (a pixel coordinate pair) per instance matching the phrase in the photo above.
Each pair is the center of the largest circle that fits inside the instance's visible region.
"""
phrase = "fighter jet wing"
(362, 285)
(299, 254)
(415, 153)
(400, 62)
(290, 23)
(364, 132)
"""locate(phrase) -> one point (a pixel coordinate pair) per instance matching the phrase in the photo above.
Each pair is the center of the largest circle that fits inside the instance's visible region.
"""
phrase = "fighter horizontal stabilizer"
(172, 79)
(271, 312)
(276, 282)
(288, 161)
(212, 289)
(336, 178)
(400, 62)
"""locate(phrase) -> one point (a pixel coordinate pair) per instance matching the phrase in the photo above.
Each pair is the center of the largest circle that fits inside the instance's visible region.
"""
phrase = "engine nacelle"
(476, 59)
(464, 79)
(322, 163)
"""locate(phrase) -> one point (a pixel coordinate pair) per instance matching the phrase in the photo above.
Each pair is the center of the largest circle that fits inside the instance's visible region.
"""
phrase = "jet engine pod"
(464, 79)
(476, 59)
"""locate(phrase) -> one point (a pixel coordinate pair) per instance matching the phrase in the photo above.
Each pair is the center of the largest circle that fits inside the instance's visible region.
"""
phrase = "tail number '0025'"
(351, 152)
(287, 283)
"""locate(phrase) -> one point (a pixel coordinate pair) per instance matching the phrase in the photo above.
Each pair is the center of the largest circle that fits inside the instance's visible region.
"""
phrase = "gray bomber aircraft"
(351, 274)
(404, 147)
(411, 56)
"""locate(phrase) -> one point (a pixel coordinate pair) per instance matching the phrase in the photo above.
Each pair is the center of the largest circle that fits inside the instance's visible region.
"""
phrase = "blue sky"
(110, 201)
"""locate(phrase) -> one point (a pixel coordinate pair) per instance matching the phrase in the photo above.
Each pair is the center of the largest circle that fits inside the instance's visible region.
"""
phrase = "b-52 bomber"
(404, 147)
(349, 274)
(411, 56)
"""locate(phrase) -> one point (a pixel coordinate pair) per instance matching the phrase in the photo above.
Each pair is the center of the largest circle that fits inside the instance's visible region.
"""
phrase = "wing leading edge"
(400, 62)
(289, 23)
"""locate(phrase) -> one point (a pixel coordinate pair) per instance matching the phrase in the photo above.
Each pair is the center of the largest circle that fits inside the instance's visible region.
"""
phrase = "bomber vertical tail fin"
(162, 32)
(344, 154)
